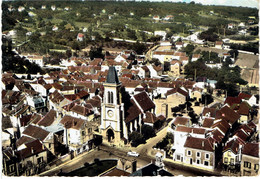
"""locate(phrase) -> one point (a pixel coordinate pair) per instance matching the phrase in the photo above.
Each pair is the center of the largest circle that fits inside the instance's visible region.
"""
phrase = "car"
(133, 154)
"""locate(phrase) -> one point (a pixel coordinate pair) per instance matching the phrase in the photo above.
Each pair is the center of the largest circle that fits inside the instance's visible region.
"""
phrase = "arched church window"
(108, 97)
(112, 99)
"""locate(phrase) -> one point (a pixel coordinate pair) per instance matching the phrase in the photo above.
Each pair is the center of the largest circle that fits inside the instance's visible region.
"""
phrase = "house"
(160, 33)
(156, 18)
(232, 154)
(55, 28)
(219, 44)
(250, 99)
(53, 7)
(43, 7)
(199, 152)
(175, 68)
(181, 121)
(10, 166)
(173, 98)
(250, 160)
(168, 17)
(163, 56)
(80, 37)
(32, 158)
(230, 26)
(243, 111)
(78, 134)
(195, 57)
(21, 8)
(179, 45)
(196, 93)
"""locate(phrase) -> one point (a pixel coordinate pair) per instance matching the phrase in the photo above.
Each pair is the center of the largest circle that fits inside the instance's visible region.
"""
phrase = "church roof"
(112, 75)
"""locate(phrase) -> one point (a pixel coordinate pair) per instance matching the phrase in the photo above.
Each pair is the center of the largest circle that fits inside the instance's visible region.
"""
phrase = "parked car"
(133, 154)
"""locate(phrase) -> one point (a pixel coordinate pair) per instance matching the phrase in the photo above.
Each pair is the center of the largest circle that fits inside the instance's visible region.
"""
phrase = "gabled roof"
(198, 143)
(228, 114)
(116, 173)
(150, 118)
(177, 90)
(36, 132)
(244, 96)
(70, 122)
(48, 119)
(144, 101)
(32, 148)
(251, 149)
(208, 122)
(244, 108)
(232, 145)
(210, 111)
(132, 112)
(232, 100)
(181, 121)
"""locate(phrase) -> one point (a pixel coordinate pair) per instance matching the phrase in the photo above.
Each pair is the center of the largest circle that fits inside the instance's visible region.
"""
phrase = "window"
(78, 150)
(49, 145)
(83, 133)
(207, 156)
(198, 161)
(206, 163)
(225, 160)
(256, 167)
(108, 97)
(198, 154)
(84, 147)
(231, 161)
(11, 168)
(112, 98)
(39, 160)
(229, 153)
(247, 164)
(89, 130)
(178, 157)
(189, 153)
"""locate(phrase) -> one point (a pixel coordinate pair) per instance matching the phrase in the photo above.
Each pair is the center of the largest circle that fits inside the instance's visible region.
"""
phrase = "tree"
(136, 139)
(147, 131)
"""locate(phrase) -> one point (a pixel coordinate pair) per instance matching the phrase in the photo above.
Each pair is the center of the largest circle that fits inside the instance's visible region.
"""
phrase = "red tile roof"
(244, 96)
(116, 173)
(177, 90)
(36, 132)
(232, 145)
(144, 101)
(48, 119)
(251, 149)
(181, 121)
(228, 114)
(72, 122)
(198, 143)
(208, 122)
(150, 118)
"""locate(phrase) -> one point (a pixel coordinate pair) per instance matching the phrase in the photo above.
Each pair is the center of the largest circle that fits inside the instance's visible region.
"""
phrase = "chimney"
(32, 150)
(202, 144)
(134, 164)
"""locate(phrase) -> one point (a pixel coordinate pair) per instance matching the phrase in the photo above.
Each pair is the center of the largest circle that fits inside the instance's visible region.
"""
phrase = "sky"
(243, 3)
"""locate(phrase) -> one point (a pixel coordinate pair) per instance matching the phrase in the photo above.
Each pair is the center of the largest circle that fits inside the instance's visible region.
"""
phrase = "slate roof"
(198, 143)
(112, 75)
(251, 149)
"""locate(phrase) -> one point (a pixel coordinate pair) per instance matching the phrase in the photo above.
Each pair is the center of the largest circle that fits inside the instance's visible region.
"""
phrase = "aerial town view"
(130, 88)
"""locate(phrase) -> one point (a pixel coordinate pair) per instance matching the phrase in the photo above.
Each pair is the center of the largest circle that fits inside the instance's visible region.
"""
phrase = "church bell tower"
(112, 127)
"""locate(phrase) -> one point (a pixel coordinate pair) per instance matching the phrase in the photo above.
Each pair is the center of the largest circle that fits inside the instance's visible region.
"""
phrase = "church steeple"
(112, 75)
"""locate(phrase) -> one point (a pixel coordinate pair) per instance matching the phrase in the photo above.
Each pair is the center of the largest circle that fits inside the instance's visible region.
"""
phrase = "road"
(146, 156)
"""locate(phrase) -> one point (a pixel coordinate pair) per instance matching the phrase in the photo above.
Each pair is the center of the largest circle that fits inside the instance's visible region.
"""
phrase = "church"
(117, 121)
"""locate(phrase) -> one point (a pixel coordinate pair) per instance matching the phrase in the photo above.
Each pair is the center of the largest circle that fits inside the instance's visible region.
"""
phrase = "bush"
(147, 131)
